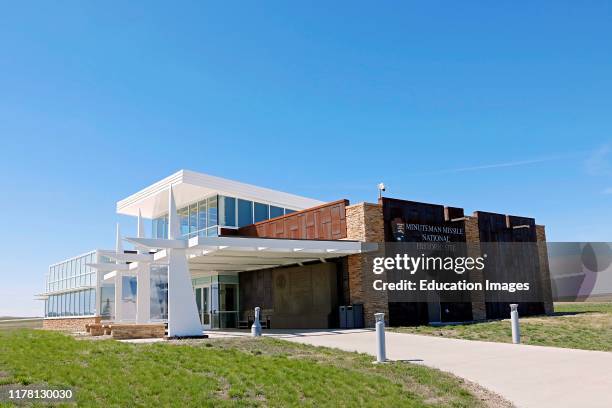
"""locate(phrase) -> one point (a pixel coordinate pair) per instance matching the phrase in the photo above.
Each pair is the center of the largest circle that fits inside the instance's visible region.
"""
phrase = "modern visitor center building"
(219, 248)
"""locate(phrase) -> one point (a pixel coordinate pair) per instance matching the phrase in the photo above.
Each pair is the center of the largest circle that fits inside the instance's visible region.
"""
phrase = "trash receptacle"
(347, 317)
(358, 322)
(342, 311)
(350, 318)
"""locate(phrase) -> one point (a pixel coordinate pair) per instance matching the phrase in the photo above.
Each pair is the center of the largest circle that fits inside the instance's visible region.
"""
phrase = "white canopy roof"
(239, 254)
(189, 186)
(248, 254)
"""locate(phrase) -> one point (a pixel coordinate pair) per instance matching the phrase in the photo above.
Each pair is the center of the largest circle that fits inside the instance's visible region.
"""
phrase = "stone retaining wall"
(74, 324)
(137, 331)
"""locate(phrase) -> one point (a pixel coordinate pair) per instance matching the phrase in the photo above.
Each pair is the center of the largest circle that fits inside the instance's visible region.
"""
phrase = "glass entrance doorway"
(217, 305)
(227, 313)
(202, 295)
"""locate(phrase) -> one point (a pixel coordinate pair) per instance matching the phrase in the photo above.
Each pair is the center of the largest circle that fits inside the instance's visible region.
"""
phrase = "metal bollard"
(516, 330)
(381, 353)
(256, 327)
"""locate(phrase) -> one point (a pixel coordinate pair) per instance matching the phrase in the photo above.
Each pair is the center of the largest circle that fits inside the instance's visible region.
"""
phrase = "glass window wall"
(183, 214)
(212, 212)
(202, 214)
(245, 212)
(79, 303)
(77, 279)
(107, 300)
(261, 212)
(193, 219)
(159, 292)
(276, 211)
(160, 227)
(203, 218)
(227, 211)
(72, 274)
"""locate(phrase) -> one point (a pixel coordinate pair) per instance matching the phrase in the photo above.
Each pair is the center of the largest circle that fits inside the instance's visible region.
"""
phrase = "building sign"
(428, 233)
(409, 221)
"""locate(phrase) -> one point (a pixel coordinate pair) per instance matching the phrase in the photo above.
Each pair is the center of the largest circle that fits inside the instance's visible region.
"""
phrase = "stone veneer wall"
(75, 324)
(472, 239)
(364, 222)
(544, 269)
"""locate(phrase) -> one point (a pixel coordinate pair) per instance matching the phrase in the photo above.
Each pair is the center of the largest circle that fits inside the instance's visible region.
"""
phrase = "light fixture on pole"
(381, 188)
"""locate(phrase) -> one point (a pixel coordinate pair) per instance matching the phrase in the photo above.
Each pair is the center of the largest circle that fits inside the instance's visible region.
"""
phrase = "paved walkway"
(529, 376)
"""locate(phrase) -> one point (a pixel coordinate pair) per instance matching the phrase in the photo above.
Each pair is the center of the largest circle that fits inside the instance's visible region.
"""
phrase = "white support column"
(143, 278)
(183, 317)
(118, 279)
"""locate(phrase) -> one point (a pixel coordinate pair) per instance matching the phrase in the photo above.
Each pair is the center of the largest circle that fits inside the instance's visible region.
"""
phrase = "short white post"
(516, 330)
(256, 327)
(381, 354)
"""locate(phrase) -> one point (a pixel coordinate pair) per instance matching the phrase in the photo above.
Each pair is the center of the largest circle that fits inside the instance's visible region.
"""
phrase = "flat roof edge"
(223, 184)
(152, 189)
(215, 184)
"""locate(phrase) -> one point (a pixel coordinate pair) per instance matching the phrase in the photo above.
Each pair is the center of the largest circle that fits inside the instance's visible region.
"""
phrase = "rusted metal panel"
(326, 222)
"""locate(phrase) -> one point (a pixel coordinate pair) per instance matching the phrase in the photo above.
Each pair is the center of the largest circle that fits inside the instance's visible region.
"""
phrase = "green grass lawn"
(585, 326)
(221, 372)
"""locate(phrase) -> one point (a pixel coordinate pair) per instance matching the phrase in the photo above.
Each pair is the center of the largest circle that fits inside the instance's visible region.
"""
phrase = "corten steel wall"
(481, 227)
(398, 213)
(419, 213)
(544, 269)
(494, 227)
(301, 297)
(298, 297)
(325, 222)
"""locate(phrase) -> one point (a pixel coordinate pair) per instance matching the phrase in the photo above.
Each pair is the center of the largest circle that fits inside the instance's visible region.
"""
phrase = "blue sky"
(501, 107)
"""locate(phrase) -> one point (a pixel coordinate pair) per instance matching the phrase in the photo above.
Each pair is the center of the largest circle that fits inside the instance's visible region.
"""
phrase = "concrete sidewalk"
(529, 376)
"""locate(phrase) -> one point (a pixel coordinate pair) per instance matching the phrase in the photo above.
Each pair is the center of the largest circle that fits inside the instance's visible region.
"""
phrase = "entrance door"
(228, 306)
(202, 295)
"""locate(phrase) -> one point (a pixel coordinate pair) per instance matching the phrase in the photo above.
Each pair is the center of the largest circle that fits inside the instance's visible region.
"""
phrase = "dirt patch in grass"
(488, 398)
(6, 378)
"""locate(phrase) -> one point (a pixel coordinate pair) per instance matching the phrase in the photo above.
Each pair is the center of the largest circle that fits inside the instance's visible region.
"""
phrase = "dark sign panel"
(409, 221)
